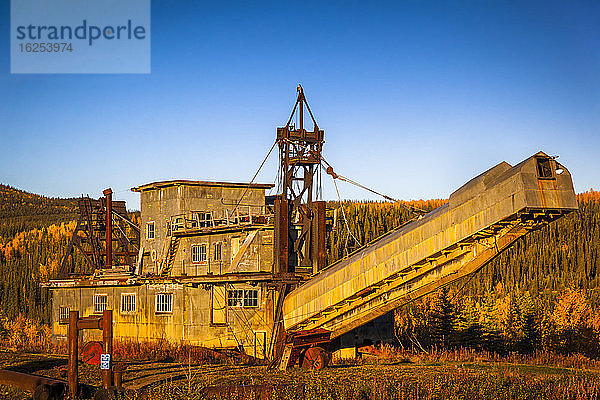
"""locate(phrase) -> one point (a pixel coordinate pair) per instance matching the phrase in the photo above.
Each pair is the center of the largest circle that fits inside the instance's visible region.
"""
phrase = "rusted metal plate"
(91, 352)
(28, 381)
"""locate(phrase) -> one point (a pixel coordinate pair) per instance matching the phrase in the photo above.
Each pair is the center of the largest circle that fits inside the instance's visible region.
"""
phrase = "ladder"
(170, 254)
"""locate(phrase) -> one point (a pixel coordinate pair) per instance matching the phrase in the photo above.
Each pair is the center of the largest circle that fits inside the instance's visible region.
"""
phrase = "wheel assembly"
(315, 358)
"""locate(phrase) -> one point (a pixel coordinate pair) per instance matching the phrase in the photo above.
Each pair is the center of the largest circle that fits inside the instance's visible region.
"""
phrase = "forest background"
(542, 294)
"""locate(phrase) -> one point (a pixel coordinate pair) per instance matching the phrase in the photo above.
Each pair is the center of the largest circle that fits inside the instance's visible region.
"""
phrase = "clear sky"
(415, 97)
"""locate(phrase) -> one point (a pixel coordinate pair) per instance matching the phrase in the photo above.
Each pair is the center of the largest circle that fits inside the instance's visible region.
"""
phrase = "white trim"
(97, 304)
(200, 260)
(153, 223)
(167, 305)
(134, 303)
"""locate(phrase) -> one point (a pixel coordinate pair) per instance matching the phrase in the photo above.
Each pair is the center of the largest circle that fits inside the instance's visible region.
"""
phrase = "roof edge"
(183, 182)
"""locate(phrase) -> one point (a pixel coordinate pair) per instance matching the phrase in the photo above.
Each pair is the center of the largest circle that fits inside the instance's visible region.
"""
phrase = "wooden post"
(108, 194)
(73, 338)
(107, 338)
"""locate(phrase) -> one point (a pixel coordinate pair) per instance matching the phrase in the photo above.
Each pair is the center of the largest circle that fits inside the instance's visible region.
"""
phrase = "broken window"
(128, 303)
(544, 168)
(235, 298)
(100, 303)
(150, 230)
(204, 219)
(242, 298)
(199, 253)
(164, 302)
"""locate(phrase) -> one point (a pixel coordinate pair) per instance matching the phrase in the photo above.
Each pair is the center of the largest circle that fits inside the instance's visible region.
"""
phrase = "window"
(100, 303)
(242, 298)
(63, 315)
(217, 251)
(251, 298)
(199, 253)
(235, 298)
(150, 230)
(128, 303)
(204, 219)
(164, 302)
(544, 168)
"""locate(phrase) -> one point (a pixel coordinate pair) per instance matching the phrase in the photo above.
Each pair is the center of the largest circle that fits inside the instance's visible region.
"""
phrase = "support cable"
(330, 171)
(254, 177)
(345, 219)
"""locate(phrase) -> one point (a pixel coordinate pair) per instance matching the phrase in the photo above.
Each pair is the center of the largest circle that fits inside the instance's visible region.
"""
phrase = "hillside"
(21, 211)
(542, 293)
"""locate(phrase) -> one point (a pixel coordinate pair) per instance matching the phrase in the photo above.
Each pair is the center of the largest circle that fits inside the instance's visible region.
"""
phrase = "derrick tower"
(300, 219)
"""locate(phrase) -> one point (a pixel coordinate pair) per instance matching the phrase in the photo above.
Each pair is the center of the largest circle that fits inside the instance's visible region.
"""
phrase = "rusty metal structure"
(77, 324)
(105, 236)
(42, 387)
(482, 218)
(222, 265)
(300, 219)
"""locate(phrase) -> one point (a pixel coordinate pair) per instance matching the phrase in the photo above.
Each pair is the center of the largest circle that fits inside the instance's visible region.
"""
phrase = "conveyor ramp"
(482, 218)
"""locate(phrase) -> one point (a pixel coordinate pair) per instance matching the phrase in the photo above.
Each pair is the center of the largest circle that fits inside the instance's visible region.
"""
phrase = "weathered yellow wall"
(189, 323)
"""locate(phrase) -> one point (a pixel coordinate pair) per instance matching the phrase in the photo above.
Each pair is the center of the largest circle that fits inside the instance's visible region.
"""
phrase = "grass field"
(421, 378)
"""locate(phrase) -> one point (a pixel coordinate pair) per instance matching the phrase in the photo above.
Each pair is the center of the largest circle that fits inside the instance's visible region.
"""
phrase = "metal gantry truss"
(105, 236)
(300, 220)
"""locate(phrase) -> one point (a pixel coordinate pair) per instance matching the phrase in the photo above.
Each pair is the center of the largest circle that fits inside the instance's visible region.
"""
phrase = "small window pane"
(128, 303)
(164, 302)
(150, 230)
(63, 315)
(100, 303)
(250, 298)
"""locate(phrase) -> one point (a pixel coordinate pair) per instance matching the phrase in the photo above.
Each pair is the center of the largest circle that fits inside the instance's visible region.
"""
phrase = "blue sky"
(415, 97)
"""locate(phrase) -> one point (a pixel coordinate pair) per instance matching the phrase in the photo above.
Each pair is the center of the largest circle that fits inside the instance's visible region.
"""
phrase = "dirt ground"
(371, 380)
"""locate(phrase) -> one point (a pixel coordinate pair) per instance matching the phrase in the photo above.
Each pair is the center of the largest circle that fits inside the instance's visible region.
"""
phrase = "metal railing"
(206, 220)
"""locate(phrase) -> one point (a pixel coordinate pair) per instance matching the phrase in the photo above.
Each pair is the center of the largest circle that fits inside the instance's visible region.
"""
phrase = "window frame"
(250, 299)
(134, 296)
(204, 218)
(96, 303)
(539, 167)
(199, 259)
(235, 297)
(153, 224)
(241, 298)
(62, 319)
(164, 295)
(219, 246)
